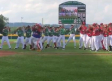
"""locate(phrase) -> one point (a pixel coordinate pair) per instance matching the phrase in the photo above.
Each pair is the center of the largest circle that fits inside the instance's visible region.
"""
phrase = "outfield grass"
(28, 65)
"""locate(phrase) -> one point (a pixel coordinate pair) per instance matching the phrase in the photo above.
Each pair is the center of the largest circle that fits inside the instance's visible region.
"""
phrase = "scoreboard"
(72, 12)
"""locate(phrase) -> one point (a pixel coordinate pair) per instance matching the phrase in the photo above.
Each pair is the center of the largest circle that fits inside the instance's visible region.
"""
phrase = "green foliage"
(3, 22)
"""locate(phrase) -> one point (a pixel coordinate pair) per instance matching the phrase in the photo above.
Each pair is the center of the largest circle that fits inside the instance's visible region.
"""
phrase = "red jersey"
(83, 30)
(89, 33)
(110, 30)
(96, 31)
(105, 32)
(101, 30)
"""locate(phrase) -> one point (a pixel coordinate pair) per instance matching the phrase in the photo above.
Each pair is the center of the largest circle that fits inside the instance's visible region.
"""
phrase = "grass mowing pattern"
(55, 68)
(32, 67)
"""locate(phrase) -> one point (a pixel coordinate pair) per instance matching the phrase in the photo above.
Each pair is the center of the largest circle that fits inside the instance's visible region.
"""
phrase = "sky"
(98, 11)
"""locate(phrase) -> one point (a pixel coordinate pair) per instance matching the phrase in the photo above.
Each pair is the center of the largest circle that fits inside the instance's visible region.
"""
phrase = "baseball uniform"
(5, 38)
(28, 37)
(62, 37)
(110, 38)
(95, 37)
(20, 38)
(106, 38)
(82, 36)
(88, 38)
(72, 36)
(50, 37)
(46, 34)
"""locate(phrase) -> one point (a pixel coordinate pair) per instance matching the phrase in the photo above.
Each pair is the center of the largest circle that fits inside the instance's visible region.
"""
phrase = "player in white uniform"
(28, 32)
(72, 35)
(5, 37)
(62, 36)
(46, 35)
(82, 41)
(20, 38)
(50, 37)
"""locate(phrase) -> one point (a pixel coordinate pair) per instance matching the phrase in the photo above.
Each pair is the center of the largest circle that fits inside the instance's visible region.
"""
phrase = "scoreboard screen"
(72, 13)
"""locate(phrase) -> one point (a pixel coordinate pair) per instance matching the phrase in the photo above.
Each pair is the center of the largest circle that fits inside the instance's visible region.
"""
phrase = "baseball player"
(72, 35)
(110, 36)
(20, 38)
(28, 32)
(5, 37)
(101, 37)
(56, 37)
(95, 37)
(50, 37)
(62, 36)
(82, 30)
(46, 34)
(106, 38)
(89, 36)
(35, 39)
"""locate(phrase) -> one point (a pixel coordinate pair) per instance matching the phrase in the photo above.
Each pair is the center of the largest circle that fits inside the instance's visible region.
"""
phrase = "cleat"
(24, 47)
(30, 47)
(33, 48)
(96, 51)
(63, 49)
(16, 48)
(39, 50)
(84, 48)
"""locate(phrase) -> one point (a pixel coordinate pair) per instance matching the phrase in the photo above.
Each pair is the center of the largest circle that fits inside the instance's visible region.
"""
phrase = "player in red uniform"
(95, 37)
(110, 36)
(106, 38)
(82, 30)
(89, 36)
(101, 36)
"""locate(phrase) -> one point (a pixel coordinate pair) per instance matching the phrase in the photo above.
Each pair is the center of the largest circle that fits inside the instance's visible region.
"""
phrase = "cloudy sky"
(34, 10)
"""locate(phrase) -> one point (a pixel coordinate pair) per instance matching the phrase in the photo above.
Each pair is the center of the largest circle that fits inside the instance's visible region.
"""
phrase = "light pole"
(42, 21)
(21, 20)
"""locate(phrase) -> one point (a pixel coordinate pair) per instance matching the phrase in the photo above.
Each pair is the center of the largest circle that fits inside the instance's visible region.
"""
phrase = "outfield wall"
(14, 36)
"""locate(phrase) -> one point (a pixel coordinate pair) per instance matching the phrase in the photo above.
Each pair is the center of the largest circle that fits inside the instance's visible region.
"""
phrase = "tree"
(3, 22)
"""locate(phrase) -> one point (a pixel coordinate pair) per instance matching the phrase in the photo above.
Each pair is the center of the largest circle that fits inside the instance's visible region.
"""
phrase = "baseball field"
(71, 64)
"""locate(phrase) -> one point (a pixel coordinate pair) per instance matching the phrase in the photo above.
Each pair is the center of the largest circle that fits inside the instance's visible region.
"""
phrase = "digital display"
(72, 14)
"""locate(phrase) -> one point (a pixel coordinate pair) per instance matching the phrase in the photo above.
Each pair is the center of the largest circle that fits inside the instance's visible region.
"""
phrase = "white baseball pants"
(20, 40)
(72, 36)
(5, 38)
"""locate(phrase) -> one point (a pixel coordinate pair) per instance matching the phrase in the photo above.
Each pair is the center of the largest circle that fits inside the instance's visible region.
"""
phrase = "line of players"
(34, 36)
(94, 36)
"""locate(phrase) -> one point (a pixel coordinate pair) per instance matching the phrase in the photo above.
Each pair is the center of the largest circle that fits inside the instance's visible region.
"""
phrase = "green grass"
(69, 49)
(32, 66)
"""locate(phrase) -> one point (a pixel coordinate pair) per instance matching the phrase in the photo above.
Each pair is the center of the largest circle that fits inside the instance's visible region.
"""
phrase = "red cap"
(110, 23)
(101, 24)
(83, 23)
(94, 24)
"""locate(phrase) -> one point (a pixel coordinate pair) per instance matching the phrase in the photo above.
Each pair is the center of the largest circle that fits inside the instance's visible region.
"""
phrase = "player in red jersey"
(95, 37)
(110, 36)
(106, 38)
(89, 36)
(101, 36)
(82, 30)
